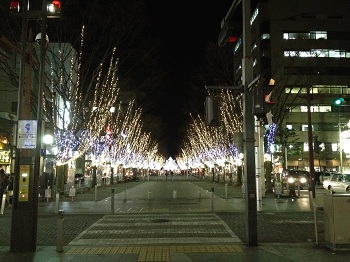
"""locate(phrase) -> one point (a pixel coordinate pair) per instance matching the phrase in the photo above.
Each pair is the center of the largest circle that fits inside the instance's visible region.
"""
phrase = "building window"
(305, 35)
(318, 35)
(239, 43)
(332, 53)
(254, 16)
(265, 36)
(255, 46)
(254, 62)
(335, 147)
(238, 68)
(305, 127)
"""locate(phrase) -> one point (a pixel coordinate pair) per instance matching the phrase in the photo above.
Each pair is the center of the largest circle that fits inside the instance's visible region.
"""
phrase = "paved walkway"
(175, 221)
(179, 196)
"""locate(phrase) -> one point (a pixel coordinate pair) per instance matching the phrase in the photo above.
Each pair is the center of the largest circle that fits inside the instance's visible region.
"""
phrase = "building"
(304, 46)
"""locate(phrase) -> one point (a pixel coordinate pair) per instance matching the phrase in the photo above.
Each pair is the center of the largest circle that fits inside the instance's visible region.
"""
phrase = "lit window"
(334, 147)
(254, 16)
(265, 36)
(239, 42)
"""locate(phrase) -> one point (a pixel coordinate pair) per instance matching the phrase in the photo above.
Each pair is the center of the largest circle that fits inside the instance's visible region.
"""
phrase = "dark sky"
(183, 28)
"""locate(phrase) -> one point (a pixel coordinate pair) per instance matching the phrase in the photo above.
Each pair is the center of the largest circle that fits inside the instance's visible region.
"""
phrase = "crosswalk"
(155, 236)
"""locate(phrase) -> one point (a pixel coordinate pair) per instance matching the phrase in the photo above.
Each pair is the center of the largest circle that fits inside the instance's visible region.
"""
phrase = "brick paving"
(172, 229)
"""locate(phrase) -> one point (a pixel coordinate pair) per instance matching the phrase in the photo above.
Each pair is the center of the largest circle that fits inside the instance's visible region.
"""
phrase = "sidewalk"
(173, 221)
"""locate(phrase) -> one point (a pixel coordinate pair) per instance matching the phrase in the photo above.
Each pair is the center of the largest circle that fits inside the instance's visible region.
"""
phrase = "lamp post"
(340, 146)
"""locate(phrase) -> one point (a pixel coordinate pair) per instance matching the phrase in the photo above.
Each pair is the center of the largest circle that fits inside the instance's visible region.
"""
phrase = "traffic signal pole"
(28, 165)
(248, 130)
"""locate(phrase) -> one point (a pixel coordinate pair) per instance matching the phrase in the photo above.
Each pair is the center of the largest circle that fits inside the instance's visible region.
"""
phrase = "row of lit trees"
(93, 126)
(208, 145)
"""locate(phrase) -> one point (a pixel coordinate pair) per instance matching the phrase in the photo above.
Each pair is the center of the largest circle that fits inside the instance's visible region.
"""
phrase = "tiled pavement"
(192, 228)
(152, 225)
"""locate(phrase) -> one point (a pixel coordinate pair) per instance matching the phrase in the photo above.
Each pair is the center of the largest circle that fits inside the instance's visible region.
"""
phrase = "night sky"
(184, 29)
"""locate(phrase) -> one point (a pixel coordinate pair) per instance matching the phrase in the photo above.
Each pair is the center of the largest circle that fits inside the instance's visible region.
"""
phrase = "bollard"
(212, 200)
(226, 190)
(3, 202)
(199, 192)
(57, 202)
(95, 193)
(125, 198)
(149, 195)
(59, 247)
(174, 194)
(112, 200)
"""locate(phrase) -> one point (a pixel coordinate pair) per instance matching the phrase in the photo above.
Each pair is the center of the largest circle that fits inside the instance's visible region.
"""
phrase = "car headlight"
(291, 180)
(303, 180)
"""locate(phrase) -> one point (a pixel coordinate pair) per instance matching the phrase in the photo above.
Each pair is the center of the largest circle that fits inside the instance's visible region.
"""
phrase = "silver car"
(337, 183)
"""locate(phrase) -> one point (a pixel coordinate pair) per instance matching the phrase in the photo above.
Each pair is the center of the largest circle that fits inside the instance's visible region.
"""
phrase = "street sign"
(27, 134)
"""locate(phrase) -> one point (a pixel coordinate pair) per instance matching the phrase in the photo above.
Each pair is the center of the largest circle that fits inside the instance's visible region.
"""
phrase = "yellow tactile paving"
(158, 253)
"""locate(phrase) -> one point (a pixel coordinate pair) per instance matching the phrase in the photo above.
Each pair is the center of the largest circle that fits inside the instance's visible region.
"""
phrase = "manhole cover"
(160, 220)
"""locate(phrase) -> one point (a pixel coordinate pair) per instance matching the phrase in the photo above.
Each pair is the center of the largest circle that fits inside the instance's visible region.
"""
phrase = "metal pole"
(95, 193)
(112, 200)
(310, 143)
(125, 196)
(248, 130)
(340, 145)
(59, 247)
(212, 200)
(57, 202)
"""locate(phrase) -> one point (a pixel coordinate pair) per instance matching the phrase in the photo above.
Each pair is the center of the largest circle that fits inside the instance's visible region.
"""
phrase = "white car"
(337, 183)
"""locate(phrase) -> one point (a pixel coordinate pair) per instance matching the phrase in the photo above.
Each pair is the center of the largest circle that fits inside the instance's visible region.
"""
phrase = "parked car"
(327, 175)
(337, 183)
(79, 178)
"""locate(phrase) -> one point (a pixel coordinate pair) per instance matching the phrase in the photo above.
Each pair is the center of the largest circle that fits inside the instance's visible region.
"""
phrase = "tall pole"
(340, 146)
(27, 165)
(310, 143)
(248, 131)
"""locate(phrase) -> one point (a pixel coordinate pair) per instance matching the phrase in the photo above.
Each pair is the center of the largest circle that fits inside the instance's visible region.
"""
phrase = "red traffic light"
(54, 7)
(14, 5)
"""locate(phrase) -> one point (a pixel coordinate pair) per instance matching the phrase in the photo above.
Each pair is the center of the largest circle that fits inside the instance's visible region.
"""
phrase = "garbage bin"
(337, 221)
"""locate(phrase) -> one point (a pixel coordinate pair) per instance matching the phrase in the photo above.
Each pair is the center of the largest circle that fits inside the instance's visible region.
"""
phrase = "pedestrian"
(3, 184)
(10, 189)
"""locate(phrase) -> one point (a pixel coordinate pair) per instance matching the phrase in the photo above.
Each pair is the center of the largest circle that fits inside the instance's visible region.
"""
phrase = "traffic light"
(14, 5)
(338, 101)
(212, 110)
(262, 97)
(53, 7)
(340, 105)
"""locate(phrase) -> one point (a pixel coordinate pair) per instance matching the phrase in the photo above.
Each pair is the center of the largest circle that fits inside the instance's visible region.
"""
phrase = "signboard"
(27, 133)
(24, 172)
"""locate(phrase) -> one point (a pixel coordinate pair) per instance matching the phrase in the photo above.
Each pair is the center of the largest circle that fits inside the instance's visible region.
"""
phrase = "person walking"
(10, 189)
(3, 184)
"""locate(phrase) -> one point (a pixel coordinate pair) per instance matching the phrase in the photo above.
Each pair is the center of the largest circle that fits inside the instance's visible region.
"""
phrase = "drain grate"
(160, 220)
